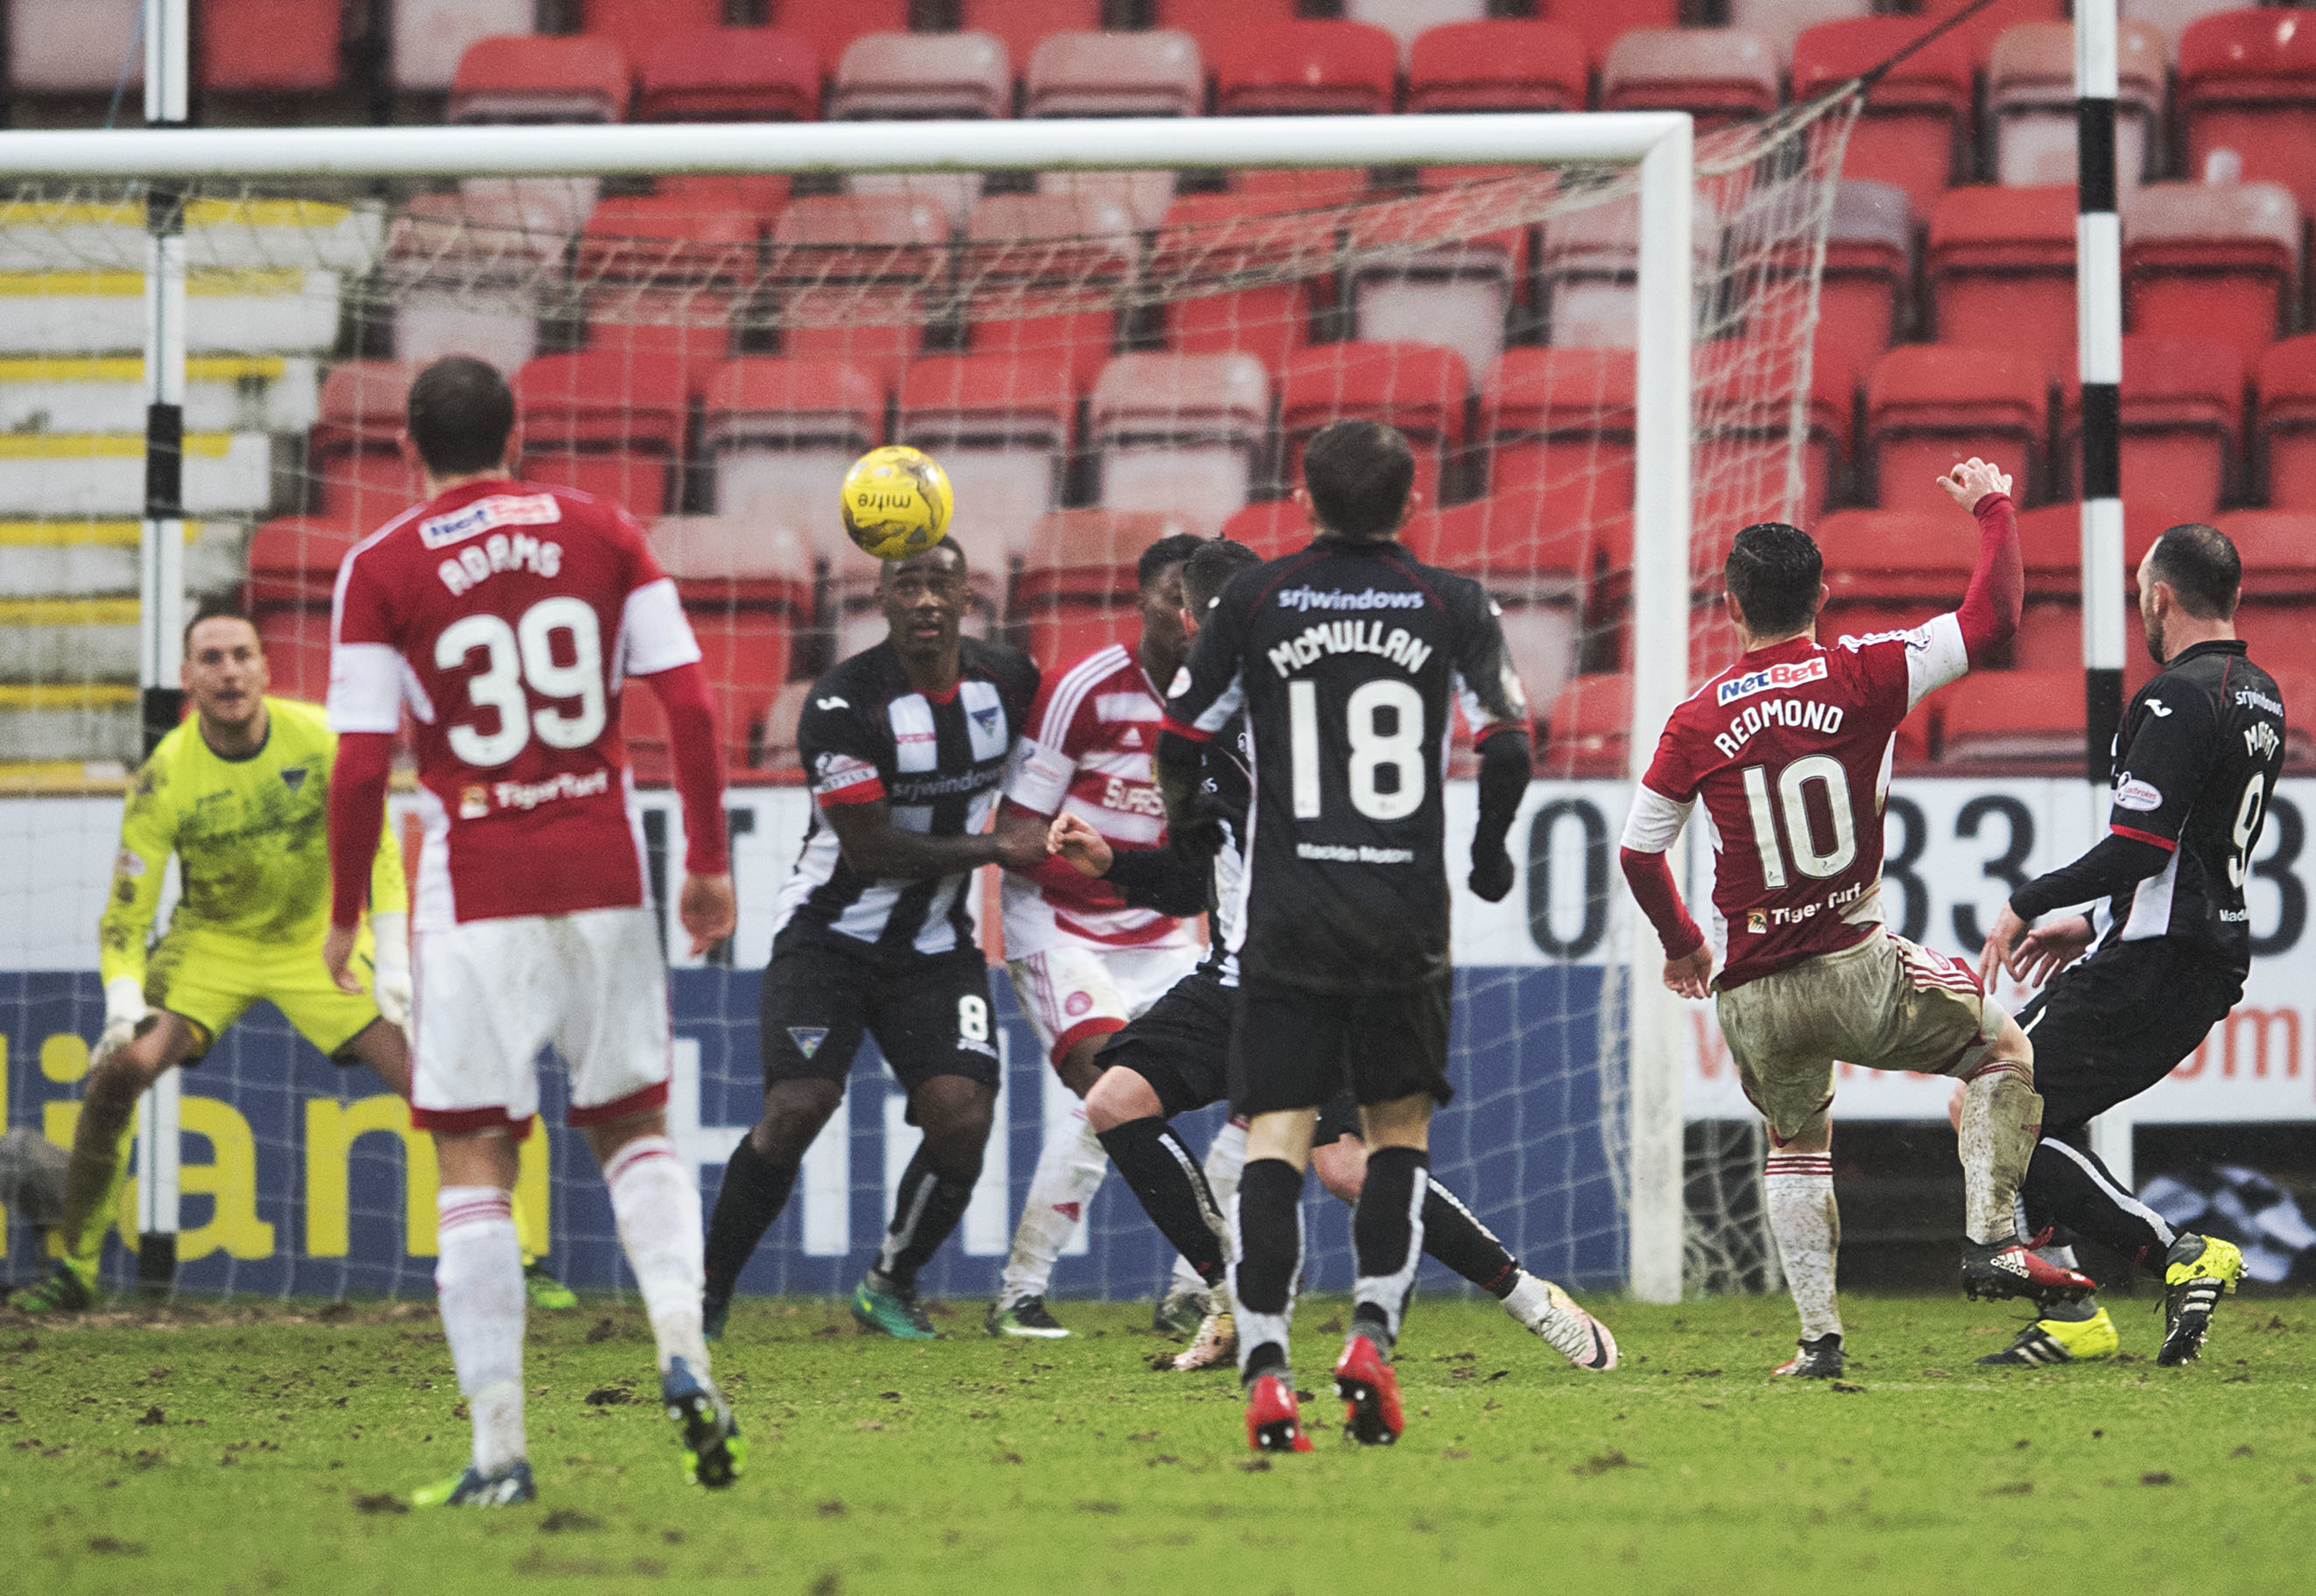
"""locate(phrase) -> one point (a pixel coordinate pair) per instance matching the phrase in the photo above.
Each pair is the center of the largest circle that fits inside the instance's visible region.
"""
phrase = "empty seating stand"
(635, 26)
(293, 567)
(1719, 76)
(851, 271)
(1591, 728)
(2001, 270)
(1407, 20)
(778, 435)
(1980, 32)
(1748, 427)
(831, 26)
(1928, 405)
(611, 423)
(1304, 67)
(2182, 425)
(535, 78)
(2020, 720)
(1000, 427)
(1458, 294)
(1022, 23)
(1279, 527)
(1915, 128)
(1076, 590)
(2216, 260)
(1867, 278)
(1535, 569)
(1600, 23)
(720, 75)
(2278, 612)
(2287, 423)
(430, 36)
(747, 589)
(352, 455)
(1502, 63)
(1420, 388)
(1220, 25)
(269, 47)
(1041, 298)
(1562, 420)
(1779, 22)
(913, 76)
(1157, 73)
(1230, 232)
(2248, 83)
(662, 272)
(2030, 93)
(1181, 434)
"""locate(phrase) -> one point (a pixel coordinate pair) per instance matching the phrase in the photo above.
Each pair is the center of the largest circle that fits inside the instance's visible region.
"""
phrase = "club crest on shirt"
(294, 778)
(986, 719)
(1770, 679)
(807, 1038)
(474, 801)
(1757, 922)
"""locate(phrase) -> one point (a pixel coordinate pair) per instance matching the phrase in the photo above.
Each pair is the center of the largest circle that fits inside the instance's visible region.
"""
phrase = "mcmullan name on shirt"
(496, 553)
(1339, 853)
(1349, 636)
(1807, 715)
(1366, 598)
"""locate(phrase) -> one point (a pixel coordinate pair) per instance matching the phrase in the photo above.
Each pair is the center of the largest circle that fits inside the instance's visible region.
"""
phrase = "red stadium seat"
(1458, 294)
(2030, 89)
(2287, 423)
(1292, 69)
(1981, 32)
(2017, 719)
(610, 424)
(351, 454)
(662, 272)
(2050, 537)
(2182, 425)
(1746, 426)
(911, 77)
(1000, 427)
(1158, 72)
(778, 435)
(1023, 24)
(2248, 83)
(832, 27)
(1498, 65)
(1719, 76)
(1590, 276)
(727, 75)
(293, 568)
(1181, 434)
(1536, 567)
(1782, 21)
(2219, 260)
(1213, 231)
(747, 589)
(1928, 405)
(1868, 275)
(1100, 252)
(638, 26)
(538, 79)
(760, 195)
(1275, 528)
(1076, 590)
(1591, 724)
(2001, 269)
(268, 46)
(297, 643)
(1220, 26)
(1598, 22)
(427, 37)
(1562, 420)
(1420, 388)
(1915, 130)
(852, 271)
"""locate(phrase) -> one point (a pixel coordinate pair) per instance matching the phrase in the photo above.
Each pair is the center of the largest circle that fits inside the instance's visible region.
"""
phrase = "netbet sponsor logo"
(499, 510)
(2141, 797)
(1769, 680)
(1307, 598)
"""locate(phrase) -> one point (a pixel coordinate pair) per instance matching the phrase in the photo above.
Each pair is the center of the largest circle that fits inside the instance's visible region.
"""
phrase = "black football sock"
(925, 1209)
(1453, 1234)
(1172, 1188)
(755, 1191)
(2072, 1188)
(1269, 1253)
(1387, 1235)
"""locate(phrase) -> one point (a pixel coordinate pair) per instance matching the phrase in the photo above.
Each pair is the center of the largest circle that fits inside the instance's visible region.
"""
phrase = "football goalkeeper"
(240, 793)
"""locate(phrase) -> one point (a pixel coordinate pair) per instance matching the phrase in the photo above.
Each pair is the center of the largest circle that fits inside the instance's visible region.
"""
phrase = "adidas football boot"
(2011, 1269)
(2047, 1340)
(2197, 1272)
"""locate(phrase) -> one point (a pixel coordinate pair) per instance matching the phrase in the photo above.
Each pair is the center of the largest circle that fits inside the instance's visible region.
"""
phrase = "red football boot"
(1273, 1424)
(2011, 1269)
(1369, 1387)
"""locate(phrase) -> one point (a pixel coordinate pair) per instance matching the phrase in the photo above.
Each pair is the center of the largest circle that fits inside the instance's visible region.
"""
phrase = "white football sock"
(1226, 1156)
(478, 1284)
(1070, 1168)
(2001, 1121)
(1798, 1187)
(659, 1210)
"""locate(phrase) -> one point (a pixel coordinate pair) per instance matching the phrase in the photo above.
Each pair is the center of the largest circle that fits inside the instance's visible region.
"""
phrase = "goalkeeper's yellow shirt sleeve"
(390, 889)
(148, 835)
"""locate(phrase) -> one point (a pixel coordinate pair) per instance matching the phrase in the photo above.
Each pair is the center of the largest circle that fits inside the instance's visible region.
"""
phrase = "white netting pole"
(1661, 584)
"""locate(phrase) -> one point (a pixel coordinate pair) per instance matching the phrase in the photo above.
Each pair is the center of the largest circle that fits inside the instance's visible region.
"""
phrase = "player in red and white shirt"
(1790, 750)
(1083, 960)
(507, 617)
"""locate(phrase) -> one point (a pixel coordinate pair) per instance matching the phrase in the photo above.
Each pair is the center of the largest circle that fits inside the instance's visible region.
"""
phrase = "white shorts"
(1071, 992)
(490, 994)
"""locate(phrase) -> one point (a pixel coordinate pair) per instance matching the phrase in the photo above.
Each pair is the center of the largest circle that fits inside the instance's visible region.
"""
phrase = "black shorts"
(1296, 1050)
(1181, 1047)
(929, 1012)
(2107, 1029)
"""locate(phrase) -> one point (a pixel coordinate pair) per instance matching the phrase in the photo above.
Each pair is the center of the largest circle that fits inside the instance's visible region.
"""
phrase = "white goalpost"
(1714, 273)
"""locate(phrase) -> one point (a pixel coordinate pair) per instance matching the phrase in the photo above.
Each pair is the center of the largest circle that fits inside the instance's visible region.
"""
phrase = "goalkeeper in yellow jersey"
(240, 794)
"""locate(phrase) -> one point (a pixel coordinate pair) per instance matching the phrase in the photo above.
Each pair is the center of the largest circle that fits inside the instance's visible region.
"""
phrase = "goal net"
(1099, 359)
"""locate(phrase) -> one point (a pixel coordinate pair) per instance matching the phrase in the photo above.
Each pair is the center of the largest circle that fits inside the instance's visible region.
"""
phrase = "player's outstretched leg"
(1186, 1306)
(2197, 1272)
(1070, 1168)
(1797, 1188)
(1387, 1235)
(657, 1208)
(1173, 1189)
(478, 1288)
(1262, 1290)
(2001, 1120)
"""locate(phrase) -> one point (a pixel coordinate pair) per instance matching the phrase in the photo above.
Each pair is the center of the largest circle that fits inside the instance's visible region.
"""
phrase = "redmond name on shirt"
(1797, 714)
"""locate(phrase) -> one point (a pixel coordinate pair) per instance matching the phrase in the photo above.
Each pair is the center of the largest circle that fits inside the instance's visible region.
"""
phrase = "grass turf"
(258, 1448)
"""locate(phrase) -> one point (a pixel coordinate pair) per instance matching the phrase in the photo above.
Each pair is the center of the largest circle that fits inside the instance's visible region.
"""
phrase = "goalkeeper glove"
(390, 958)
(1492, 873)
(124, 1011)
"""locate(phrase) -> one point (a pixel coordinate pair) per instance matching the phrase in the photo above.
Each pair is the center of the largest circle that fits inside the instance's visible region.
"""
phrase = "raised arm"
(1990, 610)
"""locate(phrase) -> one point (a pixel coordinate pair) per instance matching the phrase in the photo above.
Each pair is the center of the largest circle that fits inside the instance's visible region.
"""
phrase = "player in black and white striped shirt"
(905, 745)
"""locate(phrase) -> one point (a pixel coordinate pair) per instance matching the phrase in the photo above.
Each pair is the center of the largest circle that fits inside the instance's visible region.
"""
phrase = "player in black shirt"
(2198, 754)
(1344, 659)
(905, 746)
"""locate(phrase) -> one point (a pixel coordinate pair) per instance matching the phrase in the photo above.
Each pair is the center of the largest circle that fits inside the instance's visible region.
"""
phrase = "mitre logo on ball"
(895, 502)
